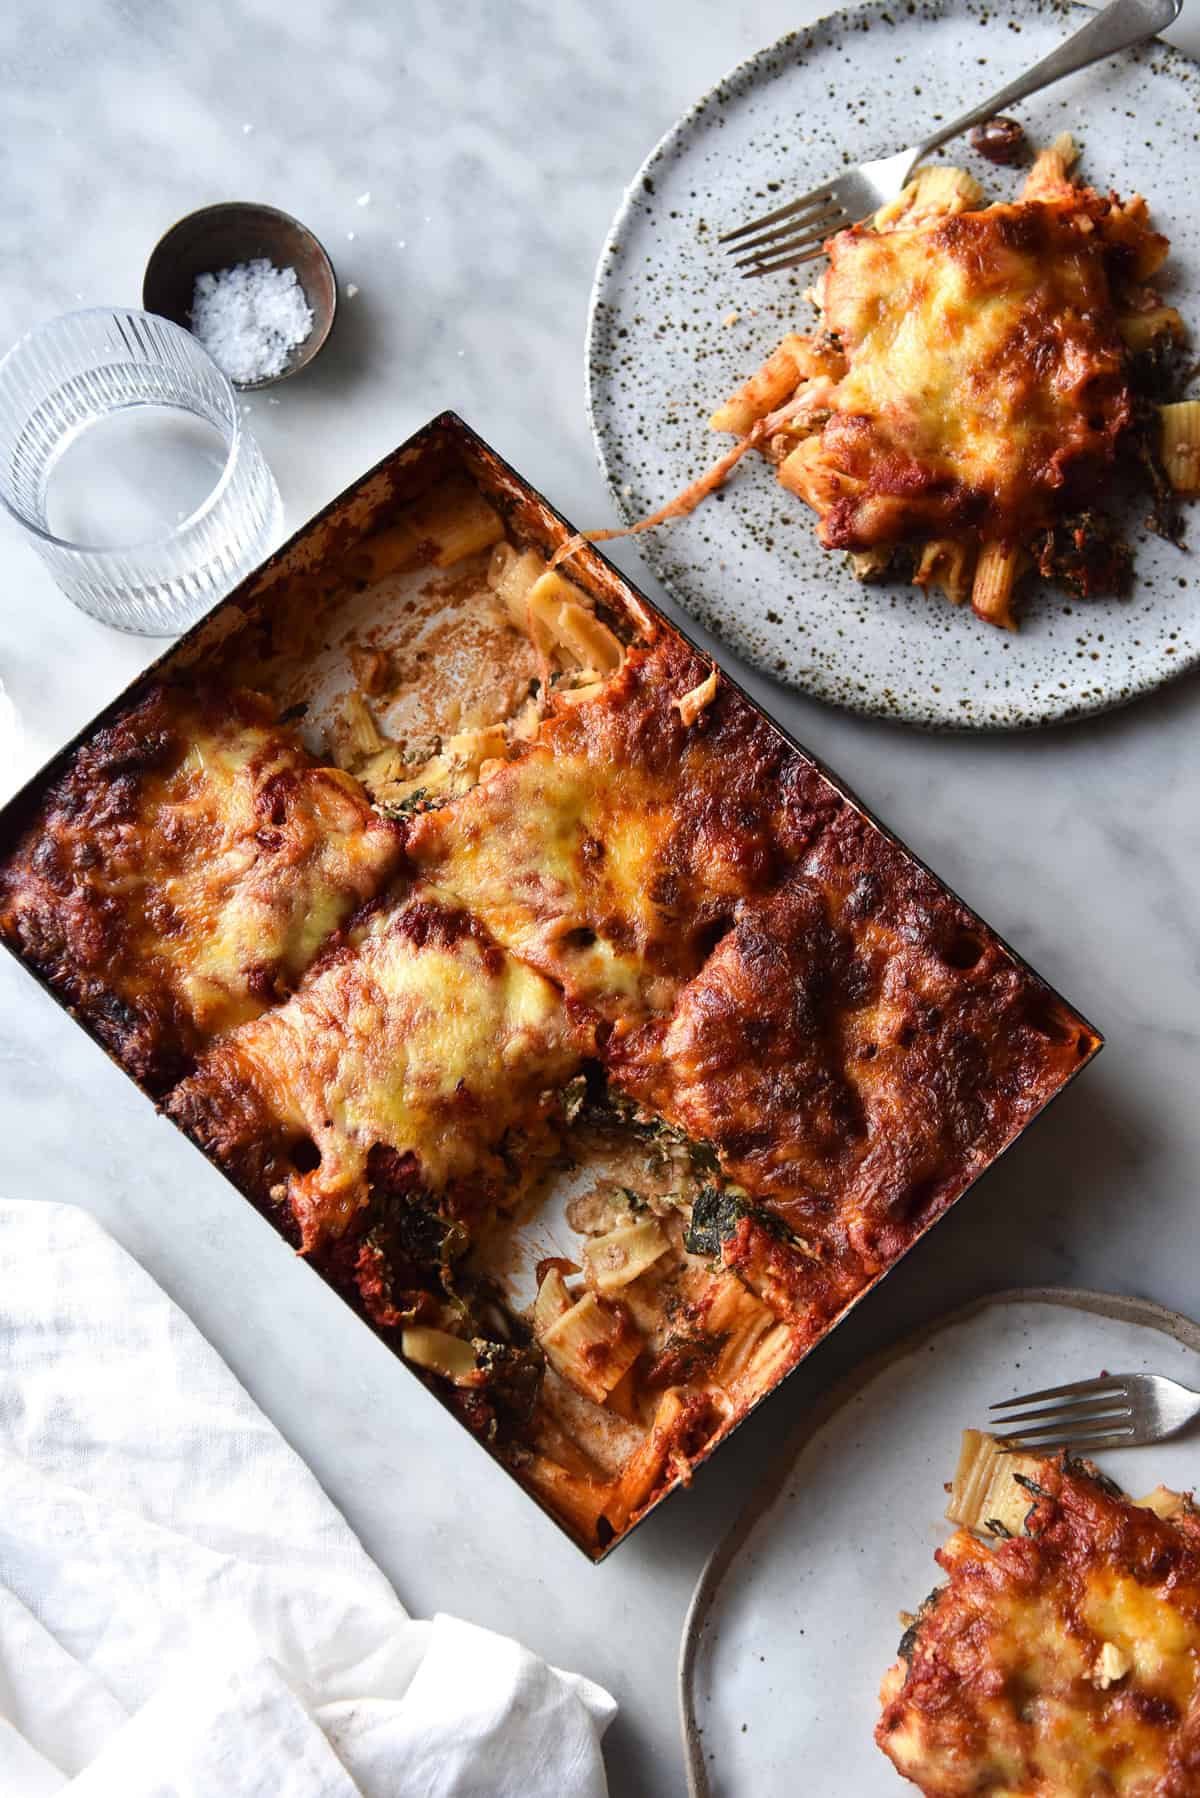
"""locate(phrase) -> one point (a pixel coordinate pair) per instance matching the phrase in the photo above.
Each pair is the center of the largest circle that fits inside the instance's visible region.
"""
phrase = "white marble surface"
(494, 141)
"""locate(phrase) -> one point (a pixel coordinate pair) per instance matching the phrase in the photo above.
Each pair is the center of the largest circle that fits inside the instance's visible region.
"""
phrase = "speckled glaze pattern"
(796, 1616)
(673, 330)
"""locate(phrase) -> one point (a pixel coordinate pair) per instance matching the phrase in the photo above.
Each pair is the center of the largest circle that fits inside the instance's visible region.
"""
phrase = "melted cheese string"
(693, 495)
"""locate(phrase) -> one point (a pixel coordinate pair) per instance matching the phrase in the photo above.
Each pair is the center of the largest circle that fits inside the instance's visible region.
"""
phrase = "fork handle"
(1122, 24)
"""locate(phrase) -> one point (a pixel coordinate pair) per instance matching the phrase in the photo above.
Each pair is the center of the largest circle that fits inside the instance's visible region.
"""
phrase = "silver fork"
(797, 232)
(1119, 1410)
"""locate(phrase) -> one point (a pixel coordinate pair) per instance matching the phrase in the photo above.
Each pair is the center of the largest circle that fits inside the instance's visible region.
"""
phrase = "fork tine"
(780, 213)
(1076, 1413)
(814, 216)
(774, 268)
(810, 242)
(771, 268)
(815, 231)
(1107, 1382)
(1127, 1438)
(1061, 1431)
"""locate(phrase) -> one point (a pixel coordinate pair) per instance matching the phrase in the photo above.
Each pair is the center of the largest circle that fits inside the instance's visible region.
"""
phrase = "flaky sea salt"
(249, 317)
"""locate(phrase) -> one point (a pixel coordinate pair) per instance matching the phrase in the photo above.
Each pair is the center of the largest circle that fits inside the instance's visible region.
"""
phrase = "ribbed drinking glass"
(124, 457)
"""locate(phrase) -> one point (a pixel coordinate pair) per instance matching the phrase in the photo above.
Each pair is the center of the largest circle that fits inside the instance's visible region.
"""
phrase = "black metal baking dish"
(444, 445)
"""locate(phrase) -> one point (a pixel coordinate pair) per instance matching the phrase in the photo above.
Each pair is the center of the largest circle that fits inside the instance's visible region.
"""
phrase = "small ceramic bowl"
(220, 237)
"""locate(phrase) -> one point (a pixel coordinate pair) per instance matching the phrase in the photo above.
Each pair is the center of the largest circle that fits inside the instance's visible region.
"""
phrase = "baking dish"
(714, 1259)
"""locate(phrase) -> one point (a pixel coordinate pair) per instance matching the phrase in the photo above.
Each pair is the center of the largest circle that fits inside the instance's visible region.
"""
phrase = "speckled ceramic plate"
(663, 350)
(795, 1618)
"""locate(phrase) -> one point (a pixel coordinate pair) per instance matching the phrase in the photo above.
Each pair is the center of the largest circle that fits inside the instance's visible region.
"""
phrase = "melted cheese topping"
(606, 851)
(854, 1048)
(190, 865)
(420, 1037)
(277, 854)
(1059, 1666)
(776, 980)
(983, 359)
(560, 875)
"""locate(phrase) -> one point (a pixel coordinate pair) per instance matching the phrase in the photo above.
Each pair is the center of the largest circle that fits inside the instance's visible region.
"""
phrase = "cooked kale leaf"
(420, 800)
(715, 1217)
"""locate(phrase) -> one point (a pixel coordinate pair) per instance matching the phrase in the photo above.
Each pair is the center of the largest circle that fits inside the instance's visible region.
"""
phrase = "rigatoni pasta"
(1181, 445)
(992, 587)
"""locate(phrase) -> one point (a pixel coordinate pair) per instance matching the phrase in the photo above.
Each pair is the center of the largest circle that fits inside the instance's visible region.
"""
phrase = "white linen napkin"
(184, 1614)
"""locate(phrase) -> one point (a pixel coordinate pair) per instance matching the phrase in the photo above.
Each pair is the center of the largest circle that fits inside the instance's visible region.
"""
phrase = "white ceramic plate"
(661, 356)
(796, 1617)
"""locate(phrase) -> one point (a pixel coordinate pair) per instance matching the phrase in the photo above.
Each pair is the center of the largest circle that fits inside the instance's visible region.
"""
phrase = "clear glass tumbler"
(124, 457)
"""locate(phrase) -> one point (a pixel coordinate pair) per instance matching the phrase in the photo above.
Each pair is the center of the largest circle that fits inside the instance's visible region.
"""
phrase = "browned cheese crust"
(765, 969)
(856, 1049)
(612, 854)
(978, 378)
(1016, 305)
(185, 870)
(406, 1055)
(1063, 1663)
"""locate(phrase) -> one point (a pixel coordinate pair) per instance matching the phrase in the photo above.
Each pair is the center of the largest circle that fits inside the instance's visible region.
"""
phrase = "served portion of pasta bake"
(575, 944)
(1062, 1657)
(983, 380)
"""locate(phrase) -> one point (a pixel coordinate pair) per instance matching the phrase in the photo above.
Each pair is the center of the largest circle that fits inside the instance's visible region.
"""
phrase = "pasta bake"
(983, 378)
(575, 1026)
(1062, 1657)
(187, 869)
